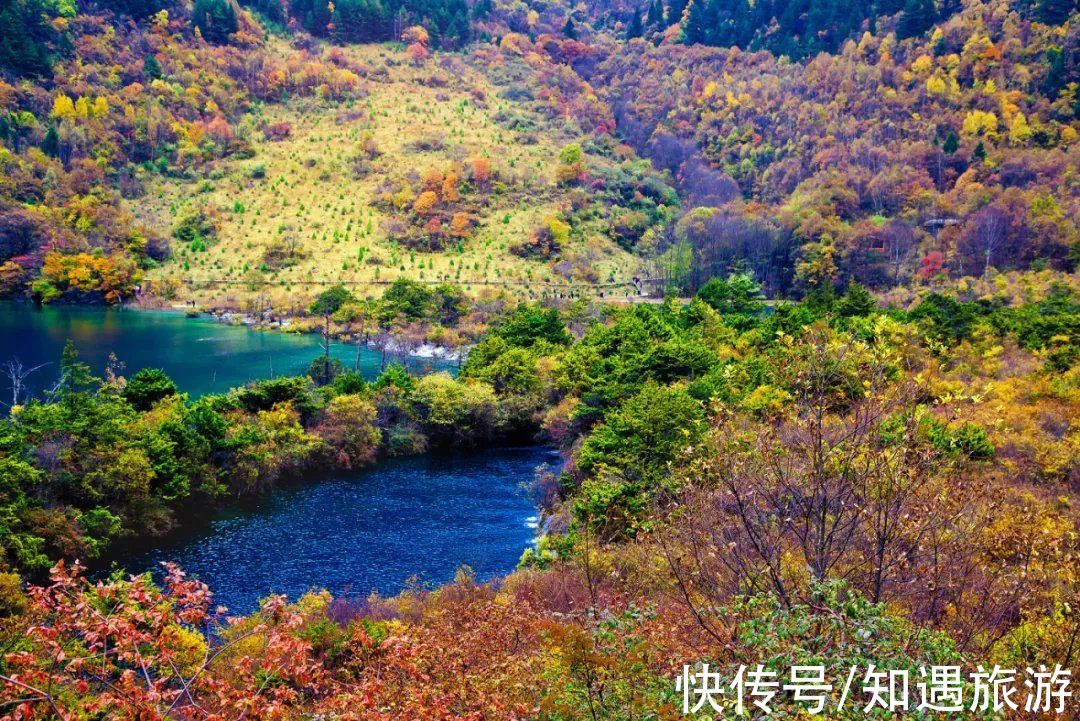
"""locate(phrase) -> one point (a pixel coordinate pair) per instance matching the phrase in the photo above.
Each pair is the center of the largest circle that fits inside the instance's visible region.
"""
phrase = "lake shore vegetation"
(791, 287)
(935, 444)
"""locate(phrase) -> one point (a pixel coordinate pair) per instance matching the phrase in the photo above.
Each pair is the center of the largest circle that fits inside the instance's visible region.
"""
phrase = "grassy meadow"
(301, 196)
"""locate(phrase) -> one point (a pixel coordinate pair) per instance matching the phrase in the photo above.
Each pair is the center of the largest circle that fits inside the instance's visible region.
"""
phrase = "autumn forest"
(788, 287)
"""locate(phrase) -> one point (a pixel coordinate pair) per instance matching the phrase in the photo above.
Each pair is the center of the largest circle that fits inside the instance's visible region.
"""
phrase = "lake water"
(349, 532)
(200, 354)
(353, 533)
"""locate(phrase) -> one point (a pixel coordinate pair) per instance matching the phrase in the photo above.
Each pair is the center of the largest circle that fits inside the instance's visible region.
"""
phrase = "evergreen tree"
(215, 19)
(918, 16)
(888, 7)
(147, 387)
(27, 37)
(483, 8)
(328, 302)
(656, 14)
(137, 9)
(51, 144)
(313, 15)
(1053, 12)
(804, 27)
(360, 21)
(151, 67)
(952, 144)
(76, 381)
(696, 27)
(1057, 72)
(856, 302)
(740, 294)
(456, 34)
(569, 30)
(733, 23)
(675, 10)
(272, 10)
(634, 29)
(980, 151)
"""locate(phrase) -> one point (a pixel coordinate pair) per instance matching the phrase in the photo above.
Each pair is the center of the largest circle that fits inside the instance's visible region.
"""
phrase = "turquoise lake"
(201, 354)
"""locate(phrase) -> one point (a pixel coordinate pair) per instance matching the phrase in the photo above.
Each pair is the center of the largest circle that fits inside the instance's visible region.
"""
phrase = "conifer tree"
(151, 67)
(1053, 12)
(656, 14)
(569, 30)
(215, 19)
(674, 13)
(51, 143)
(696, 27)
(917, 17)
(952, 144)
(634, 29)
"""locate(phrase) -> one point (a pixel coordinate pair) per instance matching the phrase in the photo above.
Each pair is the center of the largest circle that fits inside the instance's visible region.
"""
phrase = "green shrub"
(966, 439)
(612, 509)
(195, 225)
(147, 387)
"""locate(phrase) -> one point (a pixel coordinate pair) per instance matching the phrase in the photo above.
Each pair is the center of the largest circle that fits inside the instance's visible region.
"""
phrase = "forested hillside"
(181, 149)
(838, 425)
(889, 162)
(123, 101)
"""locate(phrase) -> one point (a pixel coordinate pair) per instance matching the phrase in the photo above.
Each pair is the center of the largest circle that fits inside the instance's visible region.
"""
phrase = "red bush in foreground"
(128, 650)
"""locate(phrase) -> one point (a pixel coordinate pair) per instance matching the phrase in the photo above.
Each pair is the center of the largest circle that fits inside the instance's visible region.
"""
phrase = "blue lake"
(375, 530)
(200, 354)
(352, 533)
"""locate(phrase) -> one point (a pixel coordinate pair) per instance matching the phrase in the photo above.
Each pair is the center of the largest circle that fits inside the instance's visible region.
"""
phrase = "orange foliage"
(450, 188)
(481, 171)
(432, 180)
(415, 34)
(426, 203)
(459, 225)
(112, 275)
(416, 53)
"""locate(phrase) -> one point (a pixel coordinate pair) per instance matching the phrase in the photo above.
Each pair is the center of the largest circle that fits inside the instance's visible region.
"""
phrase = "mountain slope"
(334, 192)
(191, 154)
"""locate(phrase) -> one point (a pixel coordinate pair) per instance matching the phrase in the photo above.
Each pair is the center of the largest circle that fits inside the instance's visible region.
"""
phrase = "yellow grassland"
(307, 192)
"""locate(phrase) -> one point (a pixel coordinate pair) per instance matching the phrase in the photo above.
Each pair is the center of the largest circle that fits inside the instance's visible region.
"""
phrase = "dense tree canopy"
(689, 428)
(832, 415)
